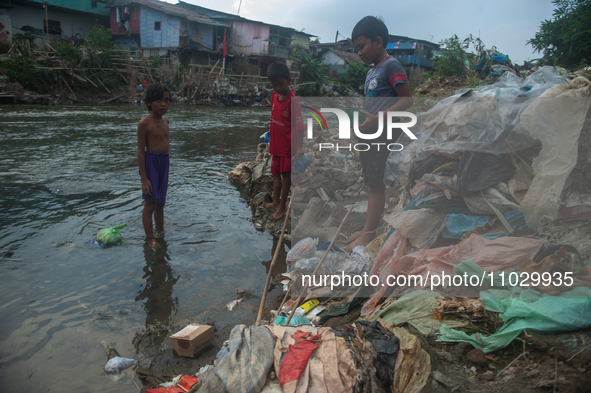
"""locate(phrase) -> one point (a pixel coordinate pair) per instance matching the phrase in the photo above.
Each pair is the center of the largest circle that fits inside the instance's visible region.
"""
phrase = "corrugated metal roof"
(181, 12)
(347, 56)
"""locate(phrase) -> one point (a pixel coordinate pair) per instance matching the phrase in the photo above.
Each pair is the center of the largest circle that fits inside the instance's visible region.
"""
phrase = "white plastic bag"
(305, 248)
(117, 364)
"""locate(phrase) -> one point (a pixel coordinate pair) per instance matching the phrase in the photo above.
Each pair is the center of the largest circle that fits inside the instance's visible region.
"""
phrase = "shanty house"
(253, 45)
(337, 61)
(56, 19)
(412, 52)
(165, 30)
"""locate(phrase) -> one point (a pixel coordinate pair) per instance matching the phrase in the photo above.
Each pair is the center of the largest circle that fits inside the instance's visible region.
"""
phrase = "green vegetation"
(356, 73)
(311, 73)
(453, 59)
(22, 69)
(30, 34)
(96, 55)
(566, 39)
(100, 38)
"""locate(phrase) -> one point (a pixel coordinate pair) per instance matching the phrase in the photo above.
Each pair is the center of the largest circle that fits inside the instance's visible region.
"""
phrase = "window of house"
(156, 25)
(54, 26)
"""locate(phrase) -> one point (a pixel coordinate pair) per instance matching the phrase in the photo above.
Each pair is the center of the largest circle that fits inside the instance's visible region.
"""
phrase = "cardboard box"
(191, 341)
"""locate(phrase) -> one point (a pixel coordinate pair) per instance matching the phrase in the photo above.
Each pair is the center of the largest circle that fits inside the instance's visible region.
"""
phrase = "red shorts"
(280, 165)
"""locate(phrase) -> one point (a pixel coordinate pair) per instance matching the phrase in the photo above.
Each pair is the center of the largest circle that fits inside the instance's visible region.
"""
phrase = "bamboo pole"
(68, 86)
(46, 23)
(114, 98)
(102, 84)
(296, 304)
(213, 87)
(279, 244)
(91, 82)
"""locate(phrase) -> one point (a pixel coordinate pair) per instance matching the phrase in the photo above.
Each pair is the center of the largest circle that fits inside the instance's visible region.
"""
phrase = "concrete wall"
(128, 42)
(5, 30)
(70, 24)
(168, 35)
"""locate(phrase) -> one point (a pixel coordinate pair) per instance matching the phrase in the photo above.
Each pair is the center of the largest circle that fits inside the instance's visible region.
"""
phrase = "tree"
(566, 39)
(311, 70)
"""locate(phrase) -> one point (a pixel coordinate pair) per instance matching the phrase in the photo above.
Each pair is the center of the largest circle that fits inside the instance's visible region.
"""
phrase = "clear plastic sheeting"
(485, 119)
(507, 117)
(557, 123)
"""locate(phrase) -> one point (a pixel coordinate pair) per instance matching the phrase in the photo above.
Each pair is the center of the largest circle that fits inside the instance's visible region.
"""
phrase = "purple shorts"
(157, 168)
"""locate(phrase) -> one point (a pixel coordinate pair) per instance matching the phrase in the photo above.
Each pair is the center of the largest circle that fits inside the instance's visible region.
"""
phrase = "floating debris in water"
(233, 303)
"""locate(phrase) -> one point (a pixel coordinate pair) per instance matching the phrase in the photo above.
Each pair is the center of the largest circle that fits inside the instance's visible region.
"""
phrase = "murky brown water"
(67, 172)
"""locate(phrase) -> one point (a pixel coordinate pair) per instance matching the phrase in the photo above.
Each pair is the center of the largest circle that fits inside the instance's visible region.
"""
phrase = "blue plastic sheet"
(516, 220)
(458, 224)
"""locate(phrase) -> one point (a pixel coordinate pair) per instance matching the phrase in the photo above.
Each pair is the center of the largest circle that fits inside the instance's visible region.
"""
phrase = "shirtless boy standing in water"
(152, 156)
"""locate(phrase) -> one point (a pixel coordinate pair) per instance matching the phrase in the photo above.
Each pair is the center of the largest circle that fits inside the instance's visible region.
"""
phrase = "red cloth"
(280, 165)
(295, 360)
(225, 46)
(184, 385)
(280, 143)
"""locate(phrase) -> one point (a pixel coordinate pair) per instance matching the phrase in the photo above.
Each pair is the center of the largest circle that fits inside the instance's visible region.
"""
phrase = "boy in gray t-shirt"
(386, 90)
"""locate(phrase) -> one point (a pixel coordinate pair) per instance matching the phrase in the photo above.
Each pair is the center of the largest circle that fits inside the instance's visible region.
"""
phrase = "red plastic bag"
(295, 360)
(185, 383)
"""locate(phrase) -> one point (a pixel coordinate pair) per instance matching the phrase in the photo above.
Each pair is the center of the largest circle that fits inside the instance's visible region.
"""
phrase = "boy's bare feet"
(153, 243)
(363, 239)
(270, 205)
(279, 212)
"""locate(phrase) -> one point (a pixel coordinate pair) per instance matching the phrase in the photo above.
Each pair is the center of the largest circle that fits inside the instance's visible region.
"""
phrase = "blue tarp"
(458, 224)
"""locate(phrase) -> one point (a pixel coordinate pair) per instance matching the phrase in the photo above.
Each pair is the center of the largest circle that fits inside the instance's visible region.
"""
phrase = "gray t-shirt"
(379, 85)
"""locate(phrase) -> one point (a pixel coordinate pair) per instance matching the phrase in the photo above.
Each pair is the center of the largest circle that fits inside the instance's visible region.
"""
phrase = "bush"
(100, 38)
(22, 69)
(309, 89)
(453, 57)
(68, 52)
(356, 73)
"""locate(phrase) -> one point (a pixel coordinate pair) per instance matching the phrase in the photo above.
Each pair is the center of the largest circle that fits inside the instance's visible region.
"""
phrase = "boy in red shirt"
(280, 141)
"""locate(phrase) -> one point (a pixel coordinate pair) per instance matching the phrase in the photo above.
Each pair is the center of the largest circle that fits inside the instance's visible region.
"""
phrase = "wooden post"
(279, 245)
(47, 23)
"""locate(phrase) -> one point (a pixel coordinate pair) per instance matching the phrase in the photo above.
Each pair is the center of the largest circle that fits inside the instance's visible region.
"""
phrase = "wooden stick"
(213, 87)
(91, 82)
(99, 81)
(296, 304)
(68, 86)
(114, 98)
(279, 244)
(284, 298)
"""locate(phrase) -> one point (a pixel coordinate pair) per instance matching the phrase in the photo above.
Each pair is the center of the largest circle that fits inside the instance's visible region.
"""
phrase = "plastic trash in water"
(110, 236)
(230, 306)
(94, 242)
(117, 364)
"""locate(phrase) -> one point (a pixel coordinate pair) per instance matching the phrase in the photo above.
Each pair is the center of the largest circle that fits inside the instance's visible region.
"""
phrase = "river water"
(67, 172)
